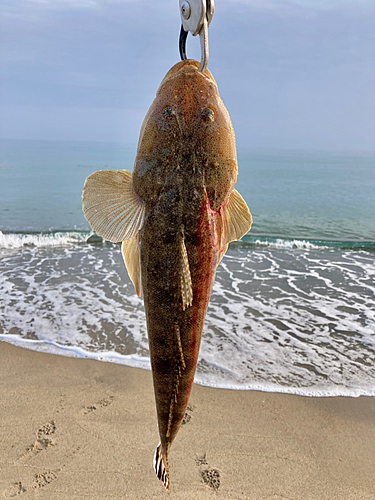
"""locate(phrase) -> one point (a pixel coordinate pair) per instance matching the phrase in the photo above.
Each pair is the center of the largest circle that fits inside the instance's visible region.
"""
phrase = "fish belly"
(174, 333)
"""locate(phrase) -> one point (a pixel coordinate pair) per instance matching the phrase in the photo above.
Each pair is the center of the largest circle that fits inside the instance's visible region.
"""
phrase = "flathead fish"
(175, 215)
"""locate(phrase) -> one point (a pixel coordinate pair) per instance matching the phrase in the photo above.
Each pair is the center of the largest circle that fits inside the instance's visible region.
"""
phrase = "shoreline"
(134, 361)
(74, 428)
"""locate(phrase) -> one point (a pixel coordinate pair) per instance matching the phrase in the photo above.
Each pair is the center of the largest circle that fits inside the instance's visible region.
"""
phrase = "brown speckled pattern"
(185, 169)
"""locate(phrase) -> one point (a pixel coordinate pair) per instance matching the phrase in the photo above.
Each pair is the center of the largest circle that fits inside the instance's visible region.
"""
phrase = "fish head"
(187, 128)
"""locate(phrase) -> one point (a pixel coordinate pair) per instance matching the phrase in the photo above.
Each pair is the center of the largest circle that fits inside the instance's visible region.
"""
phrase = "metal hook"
(182, 43)
(203, 37)
(196, 16)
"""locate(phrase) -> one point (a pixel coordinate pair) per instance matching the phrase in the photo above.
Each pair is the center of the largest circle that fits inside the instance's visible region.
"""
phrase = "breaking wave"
(281, 318)
(71, 237)
(52, 239)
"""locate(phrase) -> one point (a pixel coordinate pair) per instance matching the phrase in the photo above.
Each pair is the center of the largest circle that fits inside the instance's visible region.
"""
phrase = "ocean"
(292, 308)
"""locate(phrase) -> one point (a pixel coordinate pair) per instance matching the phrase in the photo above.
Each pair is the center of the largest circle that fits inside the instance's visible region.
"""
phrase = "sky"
(294, 74)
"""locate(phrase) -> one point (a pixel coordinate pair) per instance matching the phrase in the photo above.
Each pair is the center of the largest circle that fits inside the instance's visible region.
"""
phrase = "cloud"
(331, 4)
(285, 68)
(77, 3)
(305, 4)
(38, 10)
(71, 123)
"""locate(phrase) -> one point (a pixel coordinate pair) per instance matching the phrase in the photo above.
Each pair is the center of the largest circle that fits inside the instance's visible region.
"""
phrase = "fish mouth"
(188, 65)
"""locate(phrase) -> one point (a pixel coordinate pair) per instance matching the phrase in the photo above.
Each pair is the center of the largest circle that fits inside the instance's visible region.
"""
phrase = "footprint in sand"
(187, 416)
(60, 406)
(210, 477)
(43, 440)
(39, 481)
(15, 490)
(201, 460)
(44, 478)
(46, 430)
(100, 404)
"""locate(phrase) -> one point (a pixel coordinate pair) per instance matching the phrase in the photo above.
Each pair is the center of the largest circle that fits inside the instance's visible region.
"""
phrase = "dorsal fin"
(185, 277)
(130, 253)
(112, 208)
(180, 350)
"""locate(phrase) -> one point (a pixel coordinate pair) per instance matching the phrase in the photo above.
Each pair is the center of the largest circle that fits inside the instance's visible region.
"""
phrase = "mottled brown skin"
(185, 169)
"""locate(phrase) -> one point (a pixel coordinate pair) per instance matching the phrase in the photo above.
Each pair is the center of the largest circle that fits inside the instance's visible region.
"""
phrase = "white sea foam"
(20, 240)
(71, 297)
(51, 347)
(279, 320)
(288, 244)
(144, 363)
(298, 321)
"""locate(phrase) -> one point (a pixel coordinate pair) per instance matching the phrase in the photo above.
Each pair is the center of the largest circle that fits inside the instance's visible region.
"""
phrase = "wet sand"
(75, 429)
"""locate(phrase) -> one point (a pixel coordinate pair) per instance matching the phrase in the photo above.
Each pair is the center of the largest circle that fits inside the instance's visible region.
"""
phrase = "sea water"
(292, 308)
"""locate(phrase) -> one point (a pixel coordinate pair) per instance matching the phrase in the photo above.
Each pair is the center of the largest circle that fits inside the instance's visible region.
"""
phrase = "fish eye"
(208, 115)
(167, 113)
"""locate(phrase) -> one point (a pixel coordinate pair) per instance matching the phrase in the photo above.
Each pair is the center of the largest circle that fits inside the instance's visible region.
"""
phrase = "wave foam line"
(289, 243)
(280, 243)
(51, 347)
(21, 240)
(135, 361)
(321, 392)
(71, 237)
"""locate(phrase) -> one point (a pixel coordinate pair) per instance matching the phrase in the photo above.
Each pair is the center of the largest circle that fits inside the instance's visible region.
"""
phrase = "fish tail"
(160, 468)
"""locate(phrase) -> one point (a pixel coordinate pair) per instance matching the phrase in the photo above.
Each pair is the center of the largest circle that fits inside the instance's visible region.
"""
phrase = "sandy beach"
(75, 429)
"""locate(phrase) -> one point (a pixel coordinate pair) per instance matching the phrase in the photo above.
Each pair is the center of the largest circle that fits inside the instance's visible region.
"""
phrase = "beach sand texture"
(76, 429)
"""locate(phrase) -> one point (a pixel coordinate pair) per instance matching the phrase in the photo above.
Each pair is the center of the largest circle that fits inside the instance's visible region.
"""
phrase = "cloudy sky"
(292, 73)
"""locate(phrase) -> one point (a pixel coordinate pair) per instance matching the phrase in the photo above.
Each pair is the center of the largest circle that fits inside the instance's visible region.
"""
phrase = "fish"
(175, 215)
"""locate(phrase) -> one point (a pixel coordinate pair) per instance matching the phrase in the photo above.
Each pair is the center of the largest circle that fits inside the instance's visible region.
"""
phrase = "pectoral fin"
(130, 253)
(112, 208)
(236, 221)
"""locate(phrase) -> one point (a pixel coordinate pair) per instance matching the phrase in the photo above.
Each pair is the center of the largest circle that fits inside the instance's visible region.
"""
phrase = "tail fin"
(160, 468)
